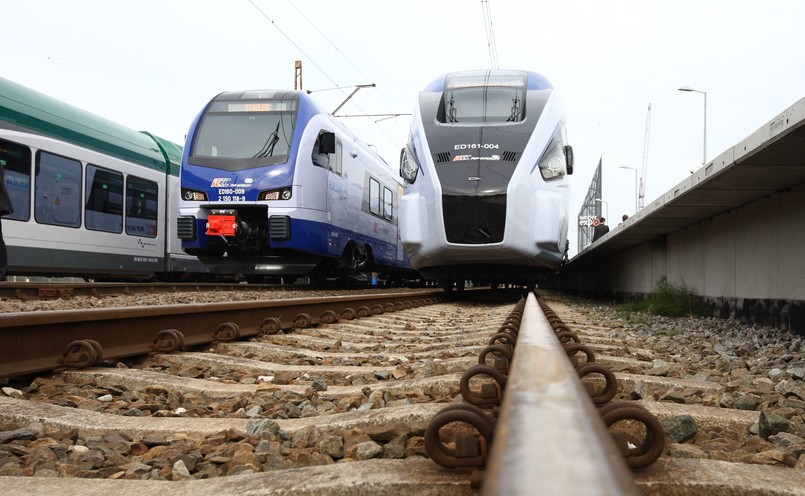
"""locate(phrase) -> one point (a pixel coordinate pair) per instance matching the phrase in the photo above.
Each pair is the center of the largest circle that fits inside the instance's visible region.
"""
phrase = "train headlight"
(192, 195)
(552, 162)
(275, 194)
(409, 168)
(552, 168)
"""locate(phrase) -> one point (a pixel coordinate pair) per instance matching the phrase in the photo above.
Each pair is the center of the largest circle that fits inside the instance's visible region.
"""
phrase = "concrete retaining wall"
(749, 263)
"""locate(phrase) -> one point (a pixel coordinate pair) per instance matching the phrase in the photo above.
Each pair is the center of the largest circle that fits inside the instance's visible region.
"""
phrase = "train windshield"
(236, 134)
(483, 98)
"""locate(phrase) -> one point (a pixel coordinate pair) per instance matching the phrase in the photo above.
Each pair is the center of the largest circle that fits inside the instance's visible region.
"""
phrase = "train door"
(337, 188)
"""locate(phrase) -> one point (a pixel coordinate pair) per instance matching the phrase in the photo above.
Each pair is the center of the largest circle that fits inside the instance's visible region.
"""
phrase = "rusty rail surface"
(39, 341)
(67, 290)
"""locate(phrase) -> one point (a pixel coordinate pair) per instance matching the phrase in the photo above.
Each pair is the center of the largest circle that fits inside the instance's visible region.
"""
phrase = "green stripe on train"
(30, 110)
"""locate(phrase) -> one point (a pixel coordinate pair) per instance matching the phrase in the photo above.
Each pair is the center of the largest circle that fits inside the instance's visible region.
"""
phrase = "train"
(273, 185)
(485, 173)
(92, 199)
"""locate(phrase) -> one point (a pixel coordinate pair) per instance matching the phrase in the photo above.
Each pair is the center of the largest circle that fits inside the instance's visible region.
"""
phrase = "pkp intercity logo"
(220, 182)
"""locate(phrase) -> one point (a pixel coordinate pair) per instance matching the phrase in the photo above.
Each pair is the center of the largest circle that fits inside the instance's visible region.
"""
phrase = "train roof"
(30, 110)
(535, 81)
(170, 150)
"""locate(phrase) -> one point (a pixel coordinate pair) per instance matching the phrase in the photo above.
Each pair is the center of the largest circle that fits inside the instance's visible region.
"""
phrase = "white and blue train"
(272, 184)
(485, 177)
(91, 198)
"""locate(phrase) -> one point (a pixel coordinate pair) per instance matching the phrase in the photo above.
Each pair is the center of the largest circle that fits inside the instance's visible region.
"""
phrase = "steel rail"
(38, 341)
(550, 438)
(66, 290)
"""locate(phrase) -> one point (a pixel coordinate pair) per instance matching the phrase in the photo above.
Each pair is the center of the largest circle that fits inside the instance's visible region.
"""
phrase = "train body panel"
(302, 194)
(74, 214)
(486, 195)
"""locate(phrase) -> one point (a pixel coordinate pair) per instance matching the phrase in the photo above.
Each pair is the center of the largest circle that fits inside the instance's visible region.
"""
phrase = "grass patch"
(670, 301)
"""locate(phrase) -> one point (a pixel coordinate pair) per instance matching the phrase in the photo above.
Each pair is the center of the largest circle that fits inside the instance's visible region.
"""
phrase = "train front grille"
(474, 220)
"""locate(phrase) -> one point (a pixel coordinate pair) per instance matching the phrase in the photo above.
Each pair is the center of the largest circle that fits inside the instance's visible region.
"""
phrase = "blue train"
(485, 174)
(272, 184)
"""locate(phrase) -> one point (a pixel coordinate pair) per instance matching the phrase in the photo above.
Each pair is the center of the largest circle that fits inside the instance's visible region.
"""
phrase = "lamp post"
(635, 184)
(606, 206)
(704, 152)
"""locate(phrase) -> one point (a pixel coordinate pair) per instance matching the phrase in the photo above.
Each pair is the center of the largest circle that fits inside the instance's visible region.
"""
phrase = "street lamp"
(606, 205)
(704, 152)
(635, 184)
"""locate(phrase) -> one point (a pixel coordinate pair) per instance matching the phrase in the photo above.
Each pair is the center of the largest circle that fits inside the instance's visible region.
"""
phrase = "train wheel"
(356, 258)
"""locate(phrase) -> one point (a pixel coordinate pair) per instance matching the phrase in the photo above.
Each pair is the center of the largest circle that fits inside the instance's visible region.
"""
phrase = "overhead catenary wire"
(292, 42)
(317, 66)
(490, 34)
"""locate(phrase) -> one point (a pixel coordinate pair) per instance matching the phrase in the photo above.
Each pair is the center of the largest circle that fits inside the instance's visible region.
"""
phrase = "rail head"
(554, 441)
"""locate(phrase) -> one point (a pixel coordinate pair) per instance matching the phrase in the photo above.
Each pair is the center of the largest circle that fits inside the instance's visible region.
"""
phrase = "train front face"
(237, 180)
(485, 177)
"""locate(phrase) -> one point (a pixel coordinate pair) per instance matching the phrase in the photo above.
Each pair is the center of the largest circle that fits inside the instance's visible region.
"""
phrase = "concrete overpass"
(734, 231)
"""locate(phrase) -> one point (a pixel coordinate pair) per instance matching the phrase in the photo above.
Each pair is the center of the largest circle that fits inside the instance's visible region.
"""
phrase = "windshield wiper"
(268, 147)
(515, 115)
(451, 112)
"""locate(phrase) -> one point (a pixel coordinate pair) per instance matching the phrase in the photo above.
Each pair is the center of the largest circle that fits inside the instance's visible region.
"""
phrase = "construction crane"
(642, 195)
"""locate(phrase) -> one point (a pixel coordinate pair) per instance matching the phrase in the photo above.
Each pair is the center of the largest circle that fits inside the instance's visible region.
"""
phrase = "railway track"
(348, 407)
(40, 341)
(67, 290)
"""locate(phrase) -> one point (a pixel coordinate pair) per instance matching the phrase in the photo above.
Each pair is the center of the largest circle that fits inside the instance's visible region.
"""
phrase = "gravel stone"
(680, 428)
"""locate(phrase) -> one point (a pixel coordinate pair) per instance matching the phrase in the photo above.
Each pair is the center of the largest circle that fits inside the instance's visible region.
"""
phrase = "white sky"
(153, 64)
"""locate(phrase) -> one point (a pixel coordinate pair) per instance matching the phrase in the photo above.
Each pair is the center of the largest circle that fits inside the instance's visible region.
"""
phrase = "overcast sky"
(153, 64)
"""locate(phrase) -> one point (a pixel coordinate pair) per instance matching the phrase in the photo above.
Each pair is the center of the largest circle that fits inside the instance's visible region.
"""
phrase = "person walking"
(5, 209)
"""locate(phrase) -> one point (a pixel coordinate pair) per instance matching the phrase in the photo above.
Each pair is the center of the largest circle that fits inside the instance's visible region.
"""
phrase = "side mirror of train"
(326, 142)
(408, 167)
(569, 159)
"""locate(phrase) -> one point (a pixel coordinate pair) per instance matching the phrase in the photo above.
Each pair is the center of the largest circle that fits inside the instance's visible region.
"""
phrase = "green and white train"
(91, 198)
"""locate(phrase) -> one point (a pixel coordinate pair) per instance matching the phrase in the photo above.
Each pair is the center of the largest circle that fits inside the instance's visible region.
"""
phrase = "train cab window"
(16, 160)
(241, 133)
(388, 198)
(141, 207)
(374, 196)
(57, 190)
(482, 98)
(103, 209)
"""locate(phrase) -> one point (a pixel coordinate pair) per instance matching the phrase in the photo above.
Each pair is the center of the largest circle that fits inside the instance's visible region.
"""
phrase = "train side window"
(16, 160)
(388, 198)
(103, 209)
(141, 207)
(57, 190)
(374, 196)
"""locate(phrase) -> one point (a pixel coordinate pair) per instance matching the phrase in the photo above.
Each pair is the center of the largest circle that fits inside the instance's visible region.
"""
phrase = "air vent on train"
(510, 156)
(442, 157)
(279, 228)
(186, 228)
